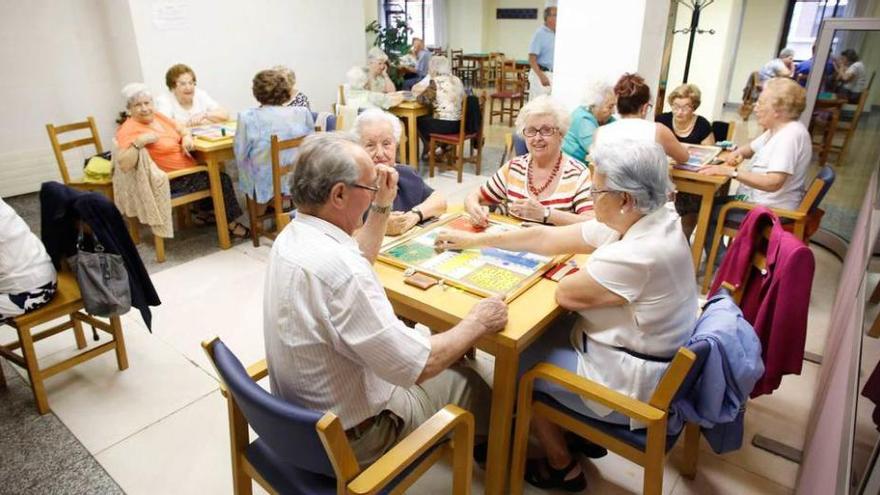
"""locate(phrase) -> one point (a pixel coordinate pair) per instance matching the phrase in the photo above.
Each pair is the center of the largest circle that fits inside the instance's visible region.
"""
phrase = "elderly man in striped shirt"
(332, 339)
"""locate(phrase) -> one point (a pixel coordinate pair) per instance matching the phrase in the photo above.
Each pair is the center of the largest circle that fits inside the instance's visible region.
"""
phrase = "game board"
(483, 271)
(699, 156)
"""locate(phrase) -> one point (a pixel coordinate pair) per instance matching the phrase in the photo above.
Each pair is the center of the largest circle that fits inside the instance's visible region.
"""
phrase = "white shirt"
(631, 129)
(333, 342)
(858, 77)
(788, 151)
(168, 105)
(651, 268)
(24, 263)
(772, 69)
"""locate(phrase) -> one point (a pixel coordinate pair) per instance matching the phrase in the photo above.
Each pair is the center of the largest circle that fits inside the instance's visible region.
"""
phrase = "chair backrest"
(278, 173)
(672, 380)
(59, 148)
(288, 430)
(509, 79)
(817, 191)
(324, 121)
(861, 103)
(723, 130)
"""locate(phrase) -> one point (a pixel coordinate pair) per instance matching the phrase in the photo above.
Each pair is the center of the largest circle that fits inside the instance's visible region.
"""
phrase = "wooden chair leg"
(78, 333)
(691, 450)
(159, 244)
(655, 457)
(432, 160)
(119, 339)
(520, 441)
(459, 161)
(34, 376)
(710, 261)
(181, 212)
(256, 224)
(479, 155)
(134, 229)
(239, 439)
(2, 378)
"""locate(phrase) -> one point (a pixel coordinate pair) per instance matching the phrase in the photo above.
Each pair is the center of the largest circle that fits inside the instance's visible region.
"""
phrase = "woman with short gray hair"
(545, 185)
(443, 91)
(781, 66)
(377, 72)
(635, 297)
(597, 110)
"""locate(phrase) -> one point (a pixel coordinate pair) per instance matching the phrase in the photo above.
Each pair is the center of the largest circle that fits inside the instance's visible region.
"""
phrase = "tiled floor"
(160, 426)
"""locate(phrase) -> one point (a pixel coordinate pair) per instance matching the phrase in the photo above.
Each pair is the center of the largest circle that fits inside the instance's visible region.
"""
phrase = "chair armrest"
(258, 370)
(589, 389)
(187, 171)
(742, 205)
(393, 462)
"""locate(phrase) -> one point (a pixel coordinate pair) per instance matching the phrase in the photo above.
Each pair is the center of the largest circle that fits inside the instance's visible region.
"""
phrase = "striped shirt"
(333, 342)
(510, 183)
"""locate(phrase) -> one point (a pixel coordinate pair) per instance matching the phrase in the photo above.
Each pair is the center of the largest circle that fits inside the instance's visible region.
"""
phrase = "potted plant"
(394, 41)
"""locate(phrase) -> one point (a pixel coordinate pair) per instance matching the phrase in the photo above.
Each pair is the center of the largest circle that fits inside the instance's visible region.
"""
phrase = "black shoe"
(584, 447)
(540, 473)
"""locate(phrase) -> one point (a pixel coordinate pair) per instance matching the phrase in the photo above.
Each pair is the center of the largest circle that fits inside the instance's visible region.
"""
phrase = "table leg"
(501, 420)
(217, 197)
(706, 199)
(413, 136)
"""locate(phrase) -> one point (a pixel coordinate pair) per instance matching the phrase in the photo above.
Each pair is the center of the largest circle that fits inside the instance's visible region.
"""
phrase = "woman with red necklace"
(545, 185)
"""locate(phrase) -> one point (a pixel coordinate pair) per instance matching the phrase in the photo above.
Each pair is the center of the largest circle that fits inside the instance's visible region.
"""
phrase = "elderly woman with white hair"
(545, 185)
(596, 111)
(169, 144)
(444, 92)
(378, 132)
(634, 299)
(781, 66)
(377, 72)
(358, 94)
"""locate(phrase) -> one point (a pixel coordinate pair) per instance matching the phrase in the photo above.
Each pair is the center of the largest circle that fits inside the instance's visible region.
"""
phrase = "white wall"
(761, 28)
(512, 36)
(465, 24)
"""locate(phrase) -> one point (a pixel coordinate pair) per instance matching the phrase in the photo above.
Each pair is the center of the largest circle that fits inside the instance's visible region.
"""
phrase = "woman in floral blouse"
(444, 92)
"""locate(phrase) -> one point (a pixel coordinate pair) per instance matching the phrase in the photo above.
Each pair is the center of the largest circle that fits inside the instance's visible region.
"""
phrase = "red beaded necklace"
(536, 191)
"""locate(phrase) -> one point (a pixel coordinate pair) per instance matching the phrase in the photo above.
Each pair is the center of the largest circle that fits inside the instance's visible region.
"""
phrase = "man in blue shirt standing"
(541, 51)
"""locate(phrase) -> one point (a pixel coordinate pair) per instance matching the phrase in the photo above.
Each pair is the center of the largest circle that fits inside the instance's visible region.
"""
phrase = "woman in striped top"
(544, 185)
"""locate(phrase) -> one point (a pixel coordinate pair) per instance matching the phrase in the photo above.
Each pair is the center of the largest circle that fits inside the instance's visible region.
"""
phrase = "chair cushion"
(451, 138)
(635, 438)
(287, 479)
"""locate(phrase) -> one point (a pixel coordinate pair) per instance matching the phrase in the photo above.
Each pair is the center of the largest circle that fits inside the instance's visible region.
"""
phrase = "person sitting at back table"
(253, 135)
(597, 110)
(27, 278)
(444, 92)
(377, 72)
(850, 71)
(545, 185)
(635, 298)
(415, 202)
(332, 340)
(169, 144)
(633, 105)
(415, 63)
(802, 72)
(781, 66)
(358, 95)
(187, 104)
(683, 121)
(297, 97)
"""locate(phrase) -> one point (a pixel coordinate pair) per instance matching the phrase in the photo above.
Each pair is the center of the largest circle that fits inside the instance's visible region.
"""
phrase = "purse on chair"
(102, 279)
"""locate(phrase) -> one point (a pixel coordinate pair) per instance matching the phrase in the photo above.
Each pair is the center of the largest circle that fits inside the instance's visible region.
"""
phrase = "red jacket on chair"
(776, 300)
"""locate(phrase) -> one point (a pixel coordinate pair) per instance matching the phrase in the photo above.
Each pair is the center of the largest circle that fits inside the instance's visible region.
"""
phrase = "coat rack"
(696, 7)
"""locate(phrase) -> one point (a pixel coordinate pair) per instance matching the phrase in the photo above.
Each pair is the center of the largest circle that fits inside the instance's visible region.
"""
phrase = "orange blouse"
(167, 151)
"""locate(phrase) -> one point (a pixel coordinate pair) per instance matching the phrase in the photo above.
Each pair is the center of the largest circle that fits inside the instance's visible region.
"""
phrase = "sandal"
(541, 474)
(243, 233)
(584, 447)
(202, 219)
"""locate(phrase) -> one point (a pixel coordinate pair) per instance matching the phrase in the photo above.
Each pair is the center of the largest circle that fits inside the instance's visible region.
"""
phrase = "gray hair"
(356, 77)
(439, 66)
(325, 159)
(547, 11)
(376, 116)
(133, 90)
(786, 52)
(596, 93)
(543, 105)
(638, 168)
(376, 55)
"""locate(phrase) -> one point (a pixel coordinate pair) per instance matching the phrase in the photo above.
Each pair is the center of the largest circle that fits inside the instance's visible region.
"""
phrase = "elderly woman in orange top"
(168, 144)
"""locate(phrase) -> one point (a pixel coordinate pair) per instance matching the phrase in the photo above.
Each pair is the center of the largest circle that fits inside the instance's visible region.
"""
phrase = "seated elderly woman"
(358, 95)
(253, 135)
(781, 66)
(850, 71)
(377, 72)
(683, 121)
(27, 277)
(187, 104)
(635, 299)
(415, 202)
(597, 110)
(444, 92)
(297, 97)
(545, 185)
(780, 155)
(168, 144)
(633, 105)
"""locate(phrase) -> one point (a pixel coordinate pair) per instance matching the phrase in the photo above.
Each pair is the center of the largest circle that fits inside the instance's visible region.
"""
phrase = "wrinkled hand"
(147, 138)
(386, 181)
(456, 239)
(491, 313)
(527, 209)
(198, 119)
(479, 214)
(395, 99)
(734, 159)
(716, 170)
(400, 222)
(545, 81)
(187, 143)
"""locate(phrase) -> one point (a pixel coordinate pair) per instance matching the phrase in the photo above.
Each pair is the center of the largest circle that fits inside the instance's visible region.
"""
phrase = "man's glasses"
(368, 188)
(545, 131)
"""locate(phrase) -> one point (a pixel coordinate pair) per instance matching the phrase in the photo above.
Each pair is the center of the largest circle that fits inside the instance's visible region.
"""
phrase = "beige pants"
(536, 89)
(410, 407)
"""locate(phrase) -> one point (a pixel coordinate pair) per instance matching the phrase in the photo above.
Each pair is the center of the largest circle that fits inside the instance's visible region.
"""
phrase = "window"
(803, 19)
(418, 13)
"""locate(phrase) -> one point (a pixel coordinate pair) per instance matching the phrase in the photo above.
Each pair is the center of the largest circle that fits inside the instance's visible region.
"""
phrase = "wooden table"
(213, 153)
(411, 110)
(529, 315)
(705, 186)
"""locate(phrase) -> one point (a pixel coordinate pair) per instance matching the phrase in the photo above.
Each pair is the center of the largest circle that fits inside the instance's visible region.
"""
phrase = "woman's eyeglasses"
(545, 131)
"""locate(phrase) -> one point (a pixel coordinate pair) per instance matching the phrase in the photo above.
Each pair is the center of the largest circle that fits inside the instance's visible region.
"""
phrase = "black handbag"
(102, 279)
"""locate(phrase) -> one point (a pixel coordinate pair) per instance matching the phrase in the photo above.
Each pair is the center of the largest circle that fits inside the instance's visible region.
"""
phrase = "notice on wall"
(171, 15)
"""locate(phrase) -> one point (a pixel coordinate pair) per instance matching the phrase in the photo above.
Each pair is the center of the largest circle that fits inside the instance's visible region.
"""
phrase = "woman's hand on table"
(722, 170)
(527, 209)
(400, 222)
(455, 239)
(187, 143)
(734, 159)
(479, 214)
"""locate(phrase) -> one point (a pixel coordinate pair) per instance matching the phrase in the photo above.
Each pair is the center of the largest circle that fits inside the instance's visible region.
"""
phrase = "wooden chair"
(846, 126)
(647, 448)
(301, 450)
(750, 95)
(458, 140)
(279, 171)
(491, 68)
(105, 188)
(68, 304)
(509, 89)
(802, 222)
(723, 130)
(182, 203)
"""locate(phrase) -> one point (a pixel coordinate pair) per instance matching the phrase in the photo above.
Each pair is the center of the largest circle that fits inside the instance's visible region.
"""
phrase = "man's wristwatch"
(546, 215)
(381, 210)
(735, 174)
(418, 212)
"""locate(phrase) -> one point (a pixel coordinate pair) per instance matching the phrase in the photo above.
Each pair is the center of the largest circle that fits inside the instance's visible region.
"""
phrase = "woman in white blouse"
(443, 91)
(185, 103)
(635, 297)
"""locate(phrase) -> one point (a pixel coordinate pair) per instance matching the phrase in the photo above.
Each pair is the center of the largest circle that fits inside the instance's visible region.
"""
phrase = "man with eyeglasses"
(333, 342)
(541, 51)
